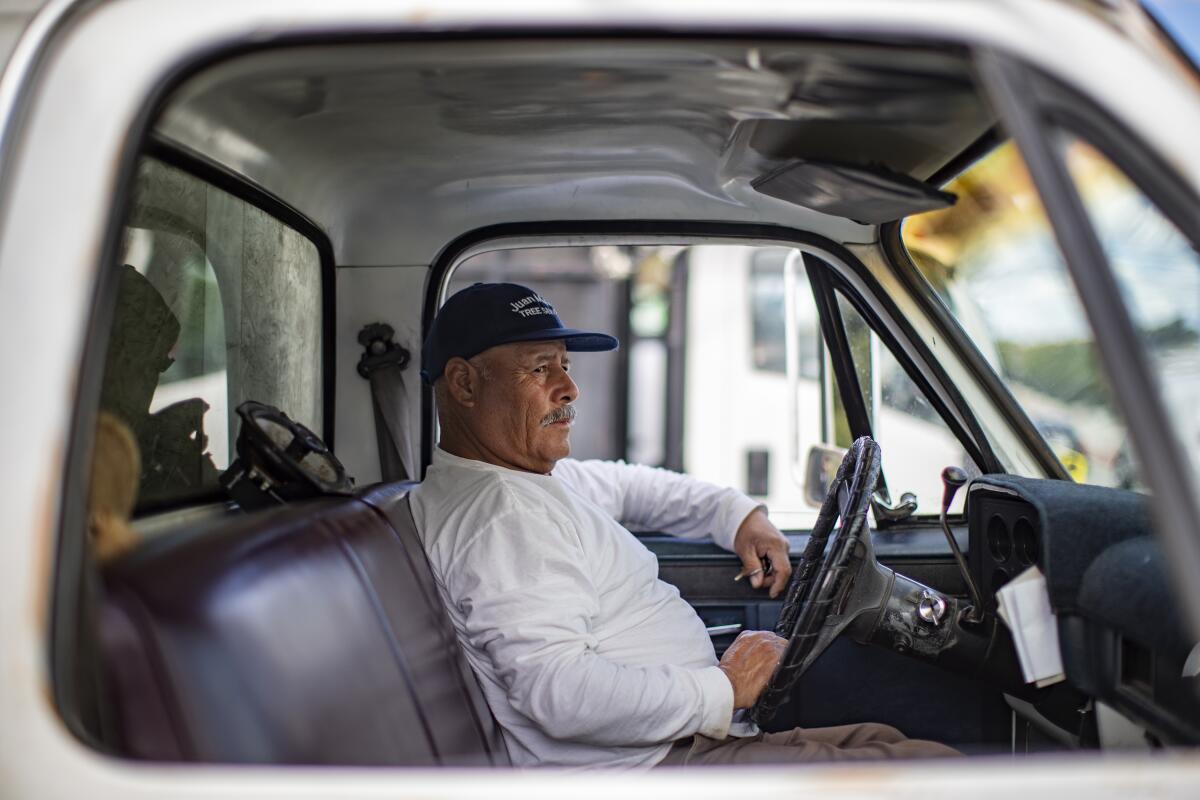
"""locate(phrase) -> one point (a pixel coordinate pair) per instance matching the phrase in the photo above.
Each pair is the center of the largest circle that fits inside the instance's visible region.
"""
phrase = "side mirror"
(819, 472)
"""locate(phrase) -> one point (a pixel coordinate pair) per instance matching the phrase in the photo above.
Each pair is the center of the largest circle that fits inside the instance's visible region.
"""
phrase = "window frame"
(75, 579)
(247, 33)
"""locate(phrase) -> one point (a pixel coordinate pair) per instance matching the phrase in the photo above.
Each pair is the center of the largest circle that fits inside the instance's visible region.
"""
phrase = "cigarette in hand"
(746, 573)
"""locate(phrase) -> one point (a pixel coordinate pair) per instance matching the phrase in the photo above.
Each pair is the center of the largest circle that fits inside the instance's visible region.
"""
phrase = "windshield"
(993, 261)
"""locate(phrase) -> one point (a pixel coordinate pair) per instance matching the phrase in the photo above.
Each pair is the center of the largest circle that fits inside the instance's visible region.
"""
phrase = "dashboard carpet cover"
(1078, 523)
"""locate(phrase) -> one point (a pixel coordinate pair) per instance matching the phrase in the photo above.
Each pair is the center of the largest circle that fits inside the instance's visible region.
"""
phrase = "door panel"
(703, 572)
(850, 682)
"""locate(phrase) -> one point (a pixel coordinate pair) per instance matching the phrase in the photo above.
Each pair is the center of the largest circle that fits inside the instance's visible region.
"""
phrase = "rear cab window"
(217, 302)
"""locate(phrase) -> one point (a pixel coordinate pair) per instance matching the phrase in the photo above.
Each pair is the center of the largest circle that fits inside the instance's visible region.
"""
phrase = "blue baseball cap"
(488, 314)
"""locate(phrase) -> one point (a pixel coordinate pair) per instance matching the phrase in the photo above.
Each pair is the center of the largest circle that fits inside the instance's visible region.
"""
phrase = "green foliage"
(1066, 370)
(1175, 333)
(1070, 370)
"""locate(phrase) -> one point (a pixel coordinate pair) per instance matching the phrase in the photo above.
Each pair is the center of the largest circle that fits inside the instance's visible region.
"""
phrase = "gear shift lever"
(953, 479)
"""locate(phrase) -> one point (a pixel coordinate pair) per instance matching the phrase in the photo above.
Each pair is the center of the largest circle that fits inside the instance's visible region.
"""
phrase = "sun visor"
(870, 195)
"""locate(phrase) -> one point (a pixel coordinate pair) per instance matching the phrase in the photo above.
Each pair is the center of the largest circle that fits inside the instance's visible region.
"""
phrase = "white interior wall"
(364, 295)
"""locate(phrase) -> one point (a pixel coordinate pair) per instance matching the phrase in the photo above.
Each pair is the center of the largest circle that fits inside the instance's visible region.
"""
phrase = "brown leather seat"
(307, 634)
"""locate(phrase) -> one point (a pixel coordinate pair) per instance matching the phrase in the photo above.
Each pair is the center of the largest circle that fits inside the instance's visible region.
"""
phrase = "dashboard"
(1122, 634)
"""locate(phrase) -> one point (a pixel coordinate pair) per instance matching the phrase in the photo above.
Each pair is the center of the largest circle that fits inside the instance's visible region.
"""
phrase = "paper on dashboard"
(1024, 605)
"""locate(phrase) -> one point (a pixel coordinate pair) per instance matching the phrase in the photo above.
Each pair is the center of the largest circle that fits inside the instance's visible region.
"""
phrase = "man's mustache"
(562, 413)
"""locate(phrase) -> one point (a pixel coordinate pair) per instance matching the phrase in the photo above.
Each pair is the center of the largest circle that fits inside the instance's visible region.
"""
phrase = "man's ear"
(462, 381)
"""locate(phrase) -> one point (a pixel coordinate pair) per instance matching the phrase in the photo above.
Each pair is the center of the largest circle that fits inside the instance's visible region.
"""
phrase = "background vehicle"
(277, 176)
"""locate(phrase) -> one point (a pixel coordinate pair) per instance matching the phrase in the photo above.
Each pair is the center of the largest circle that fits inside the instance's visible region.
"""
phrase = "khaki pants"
(841, 743)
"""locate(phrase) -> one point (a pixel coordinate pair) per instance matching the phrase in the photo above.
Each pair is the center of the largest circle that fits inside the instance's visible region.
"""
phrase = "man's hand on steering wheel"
(764, 553)
(749, 664)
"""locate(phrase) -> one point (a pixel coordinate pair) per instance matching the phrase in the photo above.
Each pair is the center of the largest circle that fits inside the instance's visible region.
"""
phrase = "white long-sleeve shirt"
(585, 657)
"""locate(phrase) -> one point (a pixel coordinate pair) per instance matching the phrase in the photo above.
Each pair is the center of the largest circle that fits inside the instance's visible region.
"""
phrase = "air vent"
(1004, 543)
(1025, 542)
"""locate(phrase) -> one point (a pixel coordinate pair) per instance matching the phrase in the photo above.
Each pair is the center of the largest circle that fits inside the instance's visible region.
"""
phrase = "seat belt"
(382, 364)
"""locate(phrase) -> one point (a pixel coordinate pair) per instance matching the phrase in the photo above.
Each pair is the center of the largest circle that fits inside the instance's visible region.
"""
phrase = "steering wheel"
(823, 578)
(280, 460)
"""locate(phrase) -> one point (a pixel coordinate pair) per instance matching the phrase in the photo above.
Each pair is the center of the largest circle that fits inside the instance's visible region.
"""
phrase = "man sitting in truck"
(586, 657)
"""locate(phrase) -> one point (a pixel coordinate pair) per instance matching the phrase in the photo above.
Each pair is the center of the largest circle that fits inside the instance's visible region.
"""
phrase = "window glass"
(1158, 271)
(217, 303)
(915, 442)
(701, 382)
(993, 261)
(590, 288)
(744, 424)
